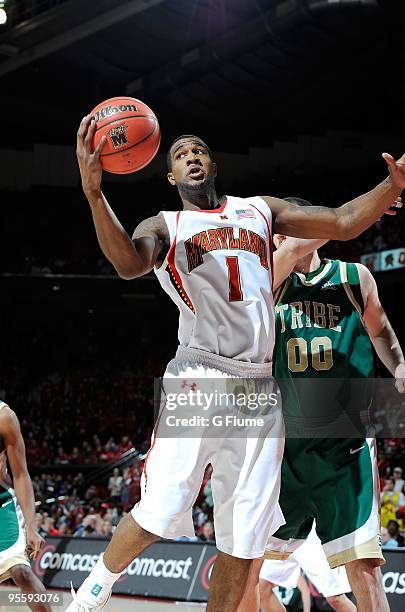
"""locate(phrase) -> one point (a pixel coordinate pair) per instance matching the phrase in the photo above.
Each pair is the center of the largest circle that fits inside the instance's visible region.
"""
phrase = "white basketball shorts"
(246, 469)
(310, 558)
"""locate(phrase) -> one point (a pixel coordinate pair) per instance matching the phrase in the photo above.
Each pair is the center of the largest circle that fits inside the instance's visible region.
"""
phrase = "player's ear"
(170, 178)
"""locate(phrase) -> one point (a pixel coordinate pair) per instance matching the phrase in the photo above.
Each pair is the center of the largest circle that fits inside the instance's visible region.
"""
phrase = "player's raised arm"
(345, 222)
(380, 329)
(130, 258)
(11, 433)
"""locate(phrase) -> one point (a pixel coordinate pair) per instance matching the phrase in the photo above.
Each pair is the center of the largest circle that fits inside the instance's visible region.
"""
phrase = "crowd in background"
(91, 506)
(391, 452)
(88, 507)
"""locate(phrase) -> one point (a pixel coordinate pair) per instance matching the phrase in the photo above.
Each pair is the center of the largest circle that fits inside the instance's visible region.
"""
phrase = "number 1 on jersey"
(235, 290)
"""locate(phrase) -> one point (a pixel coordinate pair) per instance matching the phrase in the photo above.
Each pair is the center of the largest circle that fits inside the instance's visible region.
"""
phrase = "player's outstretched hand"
(89, 160)
(396, 170)
(34, 542)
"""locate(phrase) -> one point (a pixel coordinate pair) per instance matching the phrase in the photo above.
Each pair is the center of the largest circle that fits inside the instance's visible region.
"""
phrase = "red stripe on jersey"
(270, 242)
(213, 210)
(174, 274)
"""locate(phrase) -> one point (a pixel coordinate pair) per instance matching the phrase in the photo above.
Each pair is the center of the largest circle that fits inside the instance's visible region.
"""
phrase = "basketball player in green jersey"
(18, 532)
(328, 316)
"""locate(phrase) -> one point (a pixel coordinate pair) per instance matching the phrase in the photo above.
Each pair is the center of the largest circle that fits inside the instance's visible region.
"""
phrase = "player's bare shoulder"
(155, 228)
(366, 277)
(152, 226)
(368, 285)
(8, 420)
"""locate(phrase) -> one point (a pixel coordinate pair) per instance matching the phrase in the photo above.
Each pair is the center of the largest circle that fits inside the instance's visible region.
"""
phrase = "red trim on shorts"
(174, 274)
(151, 447)
(270, 243)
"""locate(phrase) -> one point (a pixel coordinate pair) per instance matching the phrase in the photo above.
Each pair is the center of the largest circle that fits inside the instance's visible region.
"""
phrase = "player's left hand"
(400, 378)
(34, 542)
(396, 170)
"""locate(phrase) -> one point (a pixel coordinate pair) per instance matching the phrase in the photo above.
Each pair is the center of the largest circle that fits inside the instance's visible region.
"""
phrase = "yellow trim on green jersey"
(348, 288)
(323, 272)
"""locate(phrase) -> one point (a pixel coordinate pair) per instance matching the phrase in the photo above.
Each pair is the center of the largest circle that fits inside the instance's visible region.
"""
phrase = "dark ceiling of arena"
(243, 72)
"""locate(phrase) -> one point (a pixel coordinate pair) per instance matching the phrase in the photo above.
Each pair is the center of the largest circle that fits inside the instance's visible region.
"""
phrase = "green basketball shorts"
(334, 481)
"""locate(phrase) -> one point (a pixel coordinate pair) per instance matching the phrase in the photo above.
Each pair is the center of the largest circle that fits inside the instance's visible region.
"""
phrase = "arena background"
(294, 97)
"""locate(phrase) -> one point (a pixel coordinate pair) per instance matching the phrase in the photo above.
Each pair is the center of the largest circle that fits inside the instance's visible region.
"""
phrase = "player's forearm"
(114, 241)
(306, 246)
(25, 496)
(356, 216)
(388, 349)
(287, 255)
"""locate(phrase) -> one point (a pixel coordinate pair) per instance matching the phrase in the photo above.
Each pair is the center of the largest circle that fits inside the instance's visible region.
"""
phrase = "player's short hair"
(298, 201)
(182, 137)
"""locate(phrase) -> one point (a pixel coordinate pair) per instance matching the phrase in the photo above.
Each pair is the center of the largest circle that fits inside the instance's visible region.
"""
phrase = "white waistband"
(243, 369)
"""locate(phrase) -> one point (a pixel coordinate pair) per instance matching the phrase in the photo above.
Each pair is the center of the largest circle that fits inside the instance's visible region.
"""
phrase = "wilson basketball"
(132, 134)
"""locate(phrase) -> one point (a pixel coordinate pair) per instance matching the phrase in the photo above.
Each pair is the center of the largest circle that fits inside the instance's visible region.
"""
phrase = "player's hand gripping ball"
(132, 134)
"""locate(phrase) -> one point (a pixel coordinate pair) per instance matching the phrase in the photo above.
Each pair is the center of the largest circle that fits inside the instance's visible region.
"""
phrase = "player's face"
(192, 166)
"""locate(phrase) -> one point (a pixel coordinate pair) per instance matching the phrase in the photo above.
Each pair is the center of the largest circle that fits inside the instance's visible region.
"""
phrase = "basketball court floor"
(116, 604)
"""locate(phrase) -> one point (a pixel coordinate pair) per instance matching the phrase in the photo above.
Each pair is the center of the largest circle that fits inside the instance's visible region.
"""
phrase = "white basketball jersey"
(218, 271)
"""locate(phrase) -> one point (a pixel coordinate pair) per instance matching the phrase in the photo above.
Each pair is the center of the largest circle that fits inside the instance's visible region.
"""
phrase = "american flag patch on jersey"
(245, 214)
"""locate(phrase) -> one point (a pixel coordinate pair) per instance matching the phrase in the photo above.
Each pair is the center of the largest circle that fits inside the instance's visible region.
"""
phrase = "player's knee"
(365, 573)
(22, 575)
(265, 588)
(232, 560)
(128, 522)
(148, 536)
(369, 568)
(236, 566)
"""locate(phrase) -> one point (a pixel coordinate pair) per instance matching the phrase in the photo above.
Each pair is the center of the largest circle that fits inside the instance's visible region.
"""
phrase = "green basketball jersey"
(320, 335)
(319, 327)
(9, 509)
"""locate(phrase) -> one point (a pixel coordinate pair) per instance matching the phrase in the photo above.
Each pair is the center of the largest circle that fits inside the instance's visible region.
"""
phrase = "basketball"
(132, 134)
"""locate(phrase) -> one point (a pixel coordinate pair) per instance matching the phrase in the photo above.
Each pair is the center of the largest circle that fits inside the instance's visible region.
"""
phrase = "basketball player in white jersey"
(18, 533)
(214, 260)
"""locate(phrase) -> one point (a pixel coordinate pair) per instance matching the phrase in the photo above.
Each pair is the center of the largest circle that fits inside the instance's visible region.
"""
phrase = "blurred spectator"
(115, 486)
(386, 539)
(208, 494)
(398, 480)
(201, 514)
(385, 536)
(61, 457)
(393, 531)
(207, 532)
(390, 502)
(107, 528)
